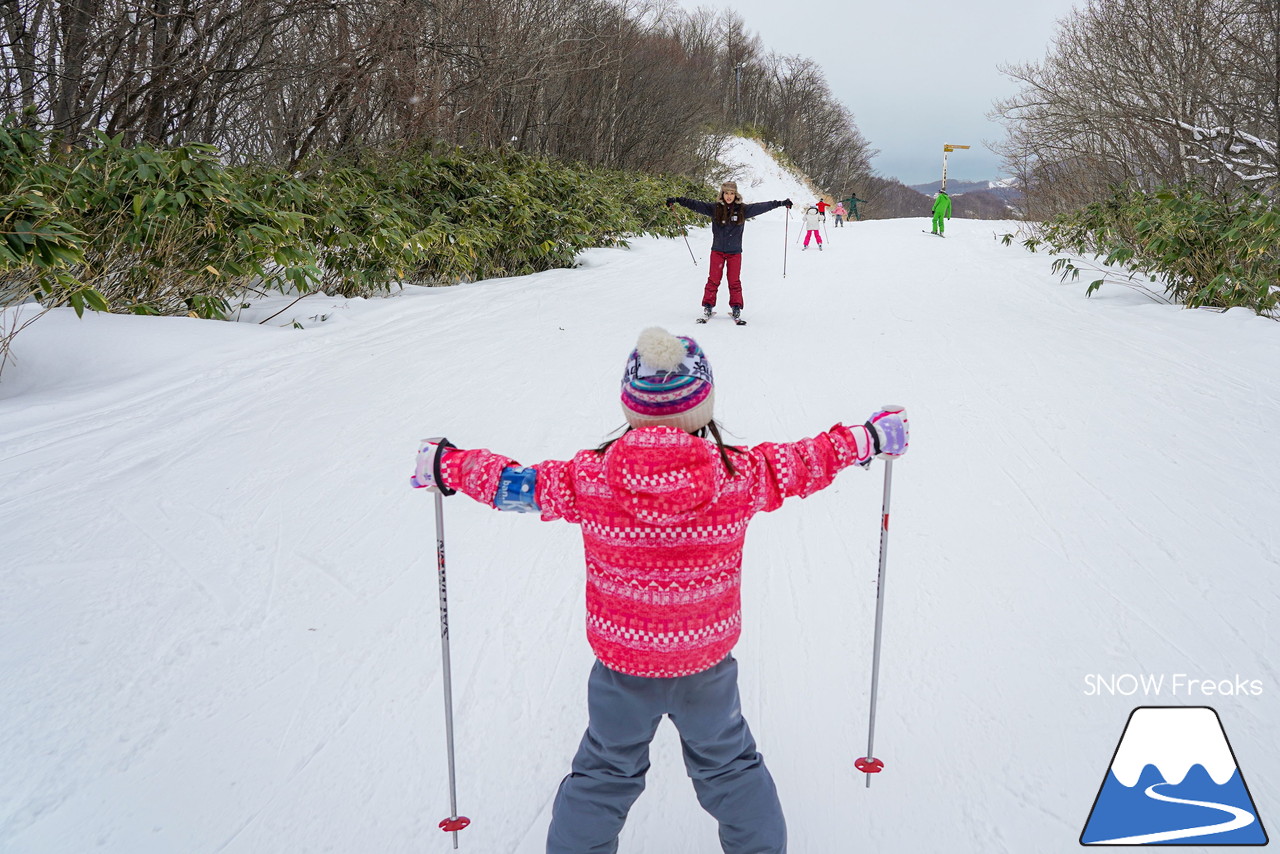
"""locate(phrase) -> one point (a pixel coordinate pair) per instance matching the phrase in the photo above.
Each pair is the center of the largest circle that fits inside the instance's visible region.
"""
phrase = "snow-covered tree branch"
(1148, 92)
(1248, 157)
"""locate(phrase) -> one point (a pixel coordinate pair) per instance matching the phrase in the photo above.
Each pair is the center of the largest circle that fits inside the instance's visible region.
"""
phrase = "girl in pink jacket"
(663, 511)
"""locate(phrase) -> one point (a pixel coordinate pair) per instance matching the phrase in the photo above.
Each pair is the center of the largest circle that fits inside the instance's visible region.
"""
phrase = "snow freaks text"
(1172, 685)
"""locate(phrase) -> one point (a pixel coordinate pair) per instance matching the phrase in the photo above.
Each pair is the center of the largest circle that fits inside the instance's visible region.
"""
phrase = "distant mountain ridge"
(956, 186)
(889, 198)
(980, 199)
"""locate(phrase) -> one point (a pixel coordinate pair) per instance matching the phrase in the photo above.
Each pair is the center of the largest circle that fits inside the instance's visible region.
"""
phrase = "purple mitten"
(889, 431)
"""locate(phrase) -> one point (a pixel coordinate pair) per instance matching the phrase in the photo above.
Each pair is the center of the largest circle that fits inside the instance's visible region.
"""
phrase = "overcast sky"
(916, 73)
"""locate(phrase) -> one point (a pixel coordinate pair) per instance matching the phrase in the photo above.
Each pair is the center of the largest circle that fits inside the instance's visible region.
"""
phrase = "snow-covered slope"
(218, 610)
(760, 177)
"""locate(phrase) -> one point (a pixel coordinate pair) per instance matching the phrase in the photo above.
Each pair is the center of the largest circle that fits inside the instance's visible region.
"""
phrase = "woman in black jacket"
(728, 215)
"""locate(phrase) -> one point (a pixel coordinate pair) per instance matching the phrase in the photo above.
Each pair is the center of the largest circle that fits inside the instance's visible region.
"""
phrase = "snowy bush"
(175, 231)
(1219, 251)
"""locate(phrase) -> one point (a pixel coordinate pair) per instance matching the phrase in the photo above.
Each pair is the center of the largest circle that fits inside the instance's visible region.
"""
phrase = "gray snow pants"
(729, 775)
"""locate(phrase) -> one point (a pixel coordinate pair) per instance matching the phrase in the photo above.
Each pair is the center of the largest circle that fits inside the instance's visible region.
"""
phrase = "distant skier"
(728, 217)
(941, 211)
(812, 226)
(852, 202)
(839, 212)
(821, 205)
(663, 511)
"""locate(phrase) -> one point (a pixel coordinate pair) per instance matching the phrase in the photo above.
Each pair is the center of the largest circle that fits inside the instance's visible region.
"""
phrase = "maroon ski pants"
(719, 261)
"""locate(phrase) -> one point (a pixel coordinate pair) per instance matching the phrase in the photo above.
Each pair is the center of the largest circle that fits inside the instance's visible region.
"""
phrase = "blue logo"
(1174, 780)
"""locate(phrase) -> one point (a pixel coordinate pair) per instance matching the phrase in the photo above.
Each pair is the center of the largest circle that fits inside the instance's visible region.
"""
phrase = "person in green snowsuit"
(941, 210)
(852, 204)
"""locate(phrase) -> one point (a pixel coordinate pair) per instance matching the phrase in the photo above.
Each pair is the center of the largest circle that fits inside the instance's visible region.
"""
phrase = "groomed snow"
(218, 614)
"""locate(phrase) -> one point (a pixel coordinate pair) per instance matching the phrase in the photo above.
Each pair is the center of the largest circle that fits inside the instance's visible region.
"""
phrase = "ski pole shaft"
(870, 765)
(686, 240)
(455, 822)
(786, 240)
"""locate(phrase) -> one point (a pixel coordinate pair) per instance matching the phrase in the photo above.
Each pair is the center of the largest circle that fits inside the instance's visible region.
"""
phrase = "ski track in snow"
(218, 613)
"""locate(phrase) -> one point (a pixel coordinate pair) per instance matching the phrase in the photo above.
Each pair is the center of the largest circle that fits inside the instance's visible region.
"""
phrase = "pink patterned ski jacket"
(663, 525)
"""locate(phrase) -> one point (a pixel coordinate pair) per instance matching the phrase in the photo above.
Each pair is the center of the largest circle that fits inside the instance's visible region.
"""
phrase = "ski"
(703, 319)
(934, 233)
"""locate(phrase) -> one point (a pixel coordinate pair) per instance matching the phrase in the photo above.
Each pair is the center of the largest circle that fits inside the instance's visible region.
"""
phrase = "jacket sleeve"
(802, 468)
(704, 208)
(757, 208)
(557, 492)
(476, 473)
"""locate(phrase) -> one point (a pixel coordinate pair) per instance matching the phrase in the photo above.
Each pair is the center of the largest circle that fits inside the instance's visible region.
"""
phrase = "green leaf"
(95, 300)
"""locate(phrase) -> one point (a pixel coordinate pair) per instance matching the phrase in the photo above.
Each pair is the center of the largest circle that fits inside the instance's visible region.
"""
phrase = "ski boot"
(707, 311)
(737, 316)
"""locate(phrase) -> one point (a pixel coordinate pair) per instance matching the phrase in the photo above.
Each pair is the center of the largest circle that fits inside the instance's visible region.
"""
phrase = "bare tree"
(628, 84)
(1147, 92)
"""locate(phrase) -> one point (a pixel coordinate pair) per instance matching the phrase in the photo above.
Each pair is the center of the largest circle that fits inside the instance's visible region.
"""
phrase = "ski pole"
(786, 232)
(686, 239)
(869, 764)
(454, 822)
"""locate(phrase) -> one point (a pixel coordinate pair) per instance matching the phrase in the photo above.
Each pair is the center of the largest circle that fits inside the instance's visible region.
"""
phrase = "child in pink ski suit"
(812, 226)
(663, 511)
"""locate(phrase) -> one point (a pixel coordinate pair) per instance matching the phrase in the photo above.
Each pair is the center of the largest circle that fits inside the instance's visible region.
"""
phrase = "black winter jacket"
(727, 238)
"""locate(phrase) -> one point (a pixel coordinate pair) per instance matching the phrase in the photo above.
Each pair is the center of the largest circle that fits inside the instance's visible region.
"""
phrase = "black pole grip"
(435, 466)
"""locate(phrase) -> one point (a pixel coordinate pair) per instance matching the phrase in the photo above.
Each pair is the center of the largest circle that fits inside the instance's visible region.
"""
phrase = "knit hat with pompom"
(668, 381)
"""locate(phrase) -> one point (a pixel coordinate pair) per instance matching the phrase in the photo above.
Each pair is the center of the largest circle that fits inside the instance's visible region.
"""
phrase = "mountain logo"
(1173, 780)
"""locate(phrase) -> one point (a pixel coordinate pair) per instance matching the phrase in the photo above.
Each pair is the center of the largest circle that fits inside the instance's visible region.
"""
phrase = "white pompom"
(660, 350)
